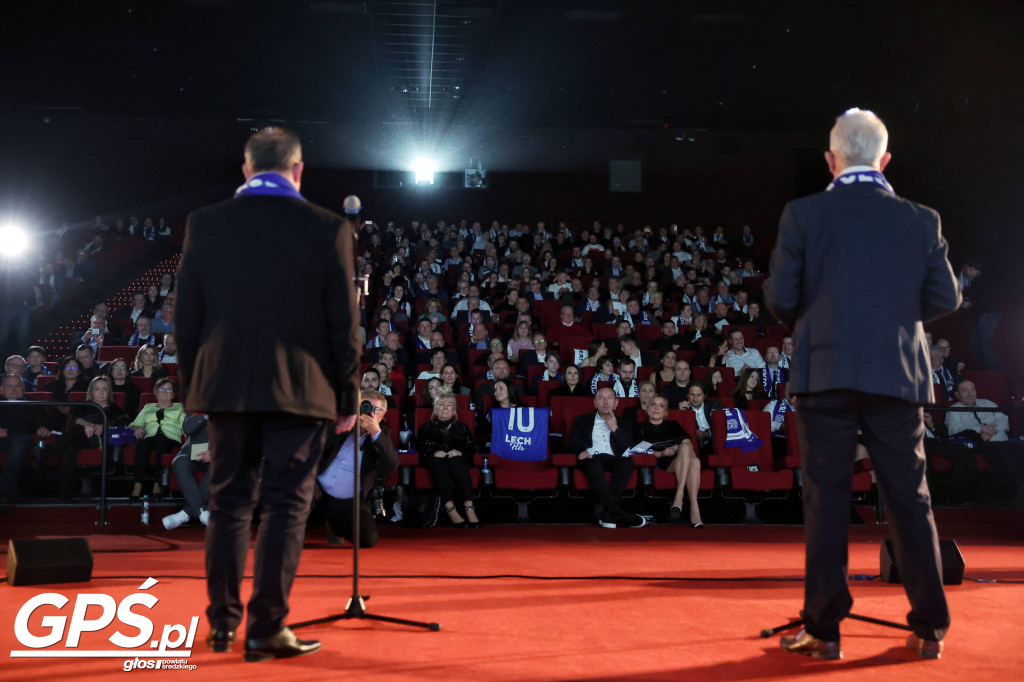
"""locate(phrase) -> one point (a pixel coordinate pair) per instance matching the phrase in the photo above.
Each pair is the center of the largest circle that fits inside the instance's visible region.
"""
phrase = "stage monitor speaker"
(952, 563)
(38, 562)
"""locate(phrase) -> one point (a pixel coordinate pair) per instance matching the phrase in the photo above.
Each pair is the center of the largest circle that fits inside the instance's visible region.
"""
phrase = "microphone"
(352, 205)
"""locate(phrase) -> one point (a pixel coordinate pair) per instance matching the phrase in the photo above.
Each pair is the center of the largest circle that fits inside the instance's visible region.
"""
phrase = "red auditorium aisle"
(554, 603)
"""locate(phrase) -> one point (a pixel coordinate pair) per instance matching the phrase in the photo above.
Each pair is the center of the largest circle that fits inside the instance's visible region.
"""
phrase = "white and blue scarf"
(738, 433)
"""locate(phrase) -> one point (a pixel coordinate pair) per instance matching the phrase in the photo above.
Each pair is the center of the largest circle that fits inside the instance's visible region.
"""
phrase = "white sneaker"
(204, 516)
(174, 520)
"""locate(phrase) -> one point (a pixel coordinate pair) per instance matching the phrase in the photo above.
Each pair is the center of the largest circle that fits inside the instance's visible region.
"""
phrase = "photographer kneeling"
(332, 500)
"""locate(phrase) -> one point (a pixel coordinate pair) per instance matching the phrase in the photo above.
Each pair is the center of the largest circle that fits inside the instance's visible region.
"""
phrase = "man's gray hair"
(859, 138)
(376, 396)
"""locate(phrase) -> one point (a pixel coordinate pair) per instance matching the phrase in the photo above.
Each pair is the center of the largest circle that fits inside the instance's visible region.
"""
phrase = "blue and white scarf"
(738, 433)
(779, 410)
(269, 184)
(632, 392)
(855, 174)
(598, 377)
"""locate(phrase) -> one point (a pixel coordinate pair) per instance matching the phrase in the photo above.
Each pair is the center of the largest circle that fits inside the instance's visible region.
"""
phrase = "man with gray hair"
(849, 378)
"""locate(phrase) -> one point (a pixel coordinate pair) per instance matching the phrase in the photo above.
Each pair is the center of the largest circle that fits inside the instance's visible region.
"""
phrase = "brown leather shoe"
(925, 648)
(220, 641)
(808, 645)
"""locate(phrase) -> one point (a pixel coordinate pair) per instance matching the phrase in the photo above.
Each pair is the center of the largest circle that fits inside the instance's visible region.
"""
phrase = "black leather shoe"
(282, 645)
(809, 645)
(220, 641)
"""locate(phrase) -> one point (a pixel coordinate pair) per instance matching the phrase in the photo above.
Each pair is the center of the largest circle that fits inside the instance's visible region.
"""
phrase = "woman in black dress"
(86, 425)
(147, 363)
(69, 380)
(572, 384)
(122, 384)
(748, 387)
(446, 448)
(679, 457)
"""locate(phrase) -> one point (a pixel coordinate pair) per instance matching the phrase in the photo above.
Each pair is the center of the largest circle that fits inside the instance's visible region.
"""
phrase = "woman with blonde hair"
(147, 363)
(446, 448)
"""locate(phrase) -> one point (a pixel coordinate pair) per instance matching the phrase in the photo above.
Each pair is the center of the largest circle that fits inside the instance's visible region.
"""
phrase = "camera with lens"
(366, 407)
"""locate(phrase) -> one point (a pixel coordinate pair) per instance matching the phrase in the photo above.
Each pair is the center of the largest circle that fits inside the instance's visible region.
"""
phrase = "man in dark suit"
(334, 490)
(601, 442)
(851, 377)
(272, 391)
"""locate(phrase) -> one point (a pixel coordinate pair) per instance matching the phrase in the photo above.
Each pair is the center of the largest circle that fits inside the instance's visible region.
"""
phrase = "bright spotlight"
(13, 241)
(424, 171)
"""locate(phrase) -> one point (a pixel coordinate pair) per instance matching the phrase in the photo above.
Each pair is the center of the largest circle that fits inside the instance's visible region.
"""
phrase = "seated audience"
(147, 363)
(20, 428)
(84, 429)
(143, 334)
(122, 384)
(739, 356)
(674, 449)
(522, 340)
(601, 442)
(748, 387)
(696, 401)
(34, 366)
(157, 431)
(572, 384)
(446, 448)
(69, 380)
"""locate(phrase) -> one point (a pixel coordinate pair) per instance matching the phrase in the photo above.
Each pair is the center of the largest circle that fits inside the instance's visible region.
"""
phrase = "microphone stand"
(356, 606)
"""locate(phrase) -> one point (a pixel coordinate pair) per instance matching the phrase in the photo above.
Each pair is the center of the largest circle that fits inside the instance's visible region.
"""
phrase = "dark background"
(119, 108)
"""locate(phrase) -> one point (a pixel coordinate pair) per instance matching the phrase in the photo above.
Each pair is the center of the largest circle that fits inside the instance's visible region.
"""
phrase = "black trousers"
(287, 448)
(608, 492)
(66, 448)
(451, 479)
(144, 450)
(893, 432)
(337, 513)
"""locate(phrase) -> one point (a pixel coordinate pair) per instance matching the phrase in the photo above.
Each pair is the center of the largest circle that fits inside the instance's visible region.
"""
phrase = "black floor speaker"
(952, 563)
(38, 562)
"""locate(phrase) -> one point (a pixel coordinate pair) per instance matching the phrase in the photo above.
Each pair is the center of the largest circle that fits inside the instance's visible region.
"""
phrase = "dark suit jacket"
(581, 436)
(247, 263)
(856, 310)
(378, 460)
(529, 357)
(707, 407)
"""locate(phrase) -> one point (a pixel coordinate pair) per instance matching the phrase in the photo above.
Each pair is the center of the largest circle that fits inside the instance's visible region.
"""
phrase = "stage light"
(13, 241)
(424, 171)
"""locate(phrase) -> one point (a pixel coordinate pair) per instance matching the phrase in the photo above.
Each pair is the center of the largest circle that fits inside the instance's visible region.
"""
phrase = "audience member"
(158, 430)
(143, 334)
(84, 429)
(601, 442)
(332, 500)
(147, 363)
(446, 448)
(20, 427)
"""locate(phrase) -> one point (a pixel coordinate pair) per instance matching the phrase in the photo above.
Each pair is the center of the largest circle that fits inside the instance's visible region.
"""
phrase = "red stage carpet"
(551, 603)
